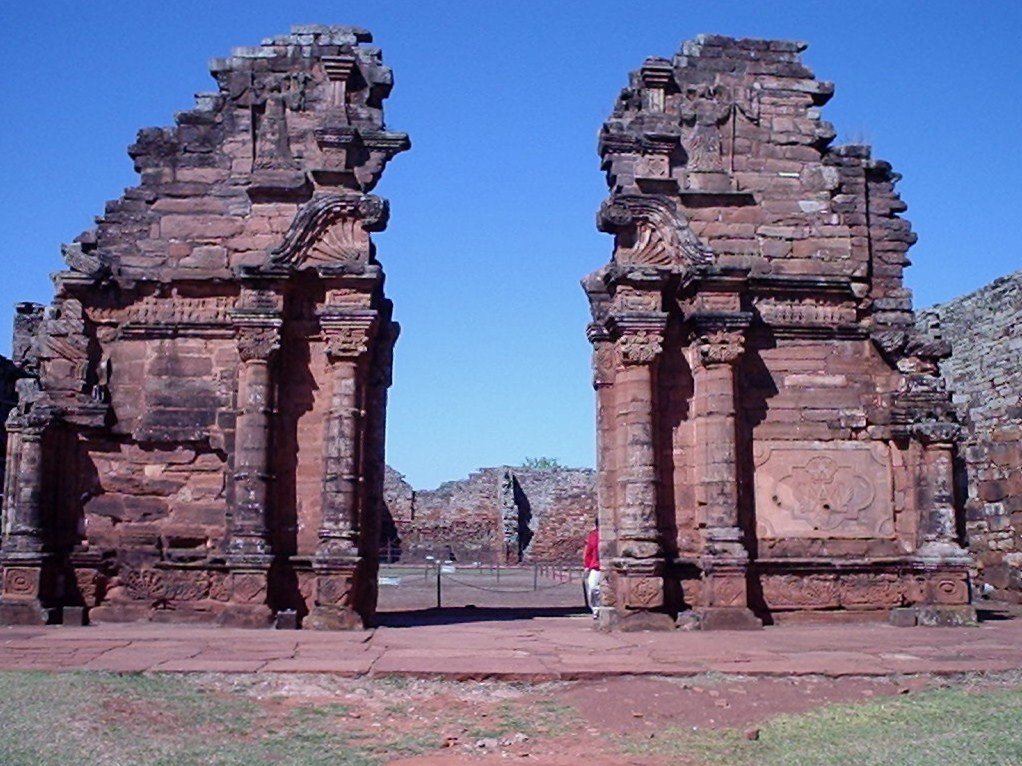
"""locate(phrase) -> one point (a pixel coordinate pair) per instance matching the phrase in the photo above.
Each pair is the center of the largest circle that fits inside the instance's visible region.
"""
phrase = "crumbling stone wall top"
(298, 115)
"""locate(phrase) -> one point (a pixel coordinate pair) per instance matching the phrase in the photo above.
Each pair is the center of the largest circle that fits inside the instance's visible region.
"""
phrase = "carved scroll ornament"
(332, 229)
(651, 231)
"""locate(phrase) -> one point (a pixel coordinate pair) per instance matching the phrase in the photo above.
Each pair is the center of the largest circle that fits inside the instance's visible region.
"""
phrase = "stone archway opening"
(503, 542)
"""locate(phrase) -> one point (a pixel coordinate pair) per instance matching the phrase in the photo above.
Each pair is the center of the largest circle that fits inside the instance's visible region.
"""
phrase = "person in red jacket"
(591, 564)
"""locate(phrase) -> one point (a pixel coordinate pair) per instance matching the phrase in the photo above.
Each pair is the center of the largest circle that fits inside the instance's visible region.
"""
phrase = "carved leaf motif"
(347, 342)
(257, 343)
(20, 582)
(728, 591)
(333, 591)
(721, 347)
(645, 592)
(793, 591)
(248, 588)
(641, 347)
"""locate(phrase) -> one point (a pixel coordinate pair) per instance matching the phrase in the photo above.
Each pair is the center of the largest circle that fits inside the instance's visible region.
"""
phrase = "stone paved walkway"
(537, 649)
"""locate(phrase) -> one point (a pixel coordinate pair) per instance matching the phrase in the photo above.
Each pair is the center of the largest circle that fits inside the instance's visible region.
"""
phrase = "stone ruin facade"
(196, 423)
(500, 515)
(774, 439)
(199, 426)
(985, 332)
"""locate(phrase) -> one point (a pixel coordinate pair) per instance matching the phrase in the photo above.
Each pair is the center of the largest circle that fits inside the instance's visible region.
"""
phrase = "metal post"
(535, 577)
(439, 568)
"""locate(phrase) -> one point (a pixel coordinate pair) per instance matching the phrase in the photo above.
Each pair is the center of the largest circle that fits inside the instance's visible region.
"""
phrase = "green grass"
(158, 721)
(950, 726)
(48, 719)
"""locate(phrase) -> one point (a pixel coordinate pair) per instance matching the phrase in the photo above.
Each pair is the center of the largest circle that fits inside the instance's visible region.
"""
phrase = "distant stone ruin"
(501, 515)
(199, 429)
(774, 439)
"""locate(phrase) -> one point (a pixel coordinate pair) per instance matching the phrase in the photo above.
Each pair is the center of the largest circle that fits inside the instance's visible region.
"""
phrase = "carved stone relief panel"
(833, 489)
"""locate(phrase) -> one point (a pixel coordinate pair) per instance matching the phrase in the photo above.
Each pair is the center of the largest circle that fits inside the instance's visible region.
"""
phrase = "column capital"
(720, 347)
(258, 342)
(639, 337)
(347, 332)
(640, 347)
(32, 421)
(347, 342)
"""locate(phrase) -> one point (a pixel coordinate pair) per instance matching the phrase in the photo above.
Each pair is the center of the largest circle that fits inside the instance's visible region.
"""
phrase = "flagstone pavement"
(460, 645)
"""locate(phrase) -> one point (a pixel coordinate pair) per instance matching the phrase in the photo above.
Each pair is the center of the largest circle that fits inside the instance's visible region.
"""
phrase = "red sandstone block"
(190, 205)
(199, 227)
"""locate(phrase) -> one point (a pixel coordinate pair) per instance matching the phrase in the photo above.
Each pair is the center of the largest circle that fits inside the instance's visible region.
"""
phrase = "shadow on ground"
(455, 615)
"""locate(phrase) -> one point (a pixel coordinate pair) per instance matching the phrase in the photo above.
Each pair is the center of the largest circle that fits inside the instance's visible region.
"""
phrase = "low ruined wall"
(984, 372)
(497, 514)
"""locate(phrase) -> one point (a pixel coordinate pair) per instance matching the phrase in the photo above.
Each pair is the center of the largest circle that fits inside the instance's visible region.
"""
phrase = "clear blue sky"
(493, 209)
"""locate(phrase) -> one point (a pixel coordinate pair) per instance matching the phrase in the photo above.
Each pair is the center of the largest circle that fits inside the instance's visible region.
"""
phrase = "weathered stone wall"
(209, 383)
(984, 373)
(772, 432)
(499, 514)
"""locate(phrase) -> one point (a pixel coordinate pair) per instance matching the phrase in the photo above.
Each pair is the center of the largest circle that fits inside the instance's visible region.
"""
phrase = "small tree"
(541, 463)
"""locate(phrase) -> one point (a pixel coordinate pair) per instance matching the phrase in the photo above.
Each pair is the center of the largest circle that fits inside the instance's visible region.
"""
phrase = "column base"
(248, 589)
(27, 580)
(728, 618)
(934, 616)
(610, 619)
(245, 616)
(333, 618)
(27, 612)
(339, 596)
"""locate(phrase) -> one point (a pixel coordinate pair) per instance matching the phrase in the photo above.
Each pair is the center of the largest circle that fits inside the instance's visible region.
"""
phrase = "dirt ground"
(559, 724)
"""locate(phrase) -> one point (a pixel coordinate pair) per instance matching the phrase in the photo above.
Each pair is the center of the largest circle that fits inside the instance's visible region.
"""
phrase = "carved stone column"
(947, 563)
(636, 587)
(725, 559)
(338, 563)
(248, 531)
(374, 437)
(604, 357)
(936, 483)
(23, 555)
(247, 546)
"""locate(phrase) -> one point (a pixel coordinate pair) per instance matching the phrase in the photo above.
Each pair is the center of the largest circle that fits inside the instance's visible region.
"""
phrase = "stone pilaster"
(636, 578)
(604, 357)
(725, 558)
(247, 546)
(374, 465)
(947, 593)
(338, 563)
(248, 530)
(23, 556)
(939, 534)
